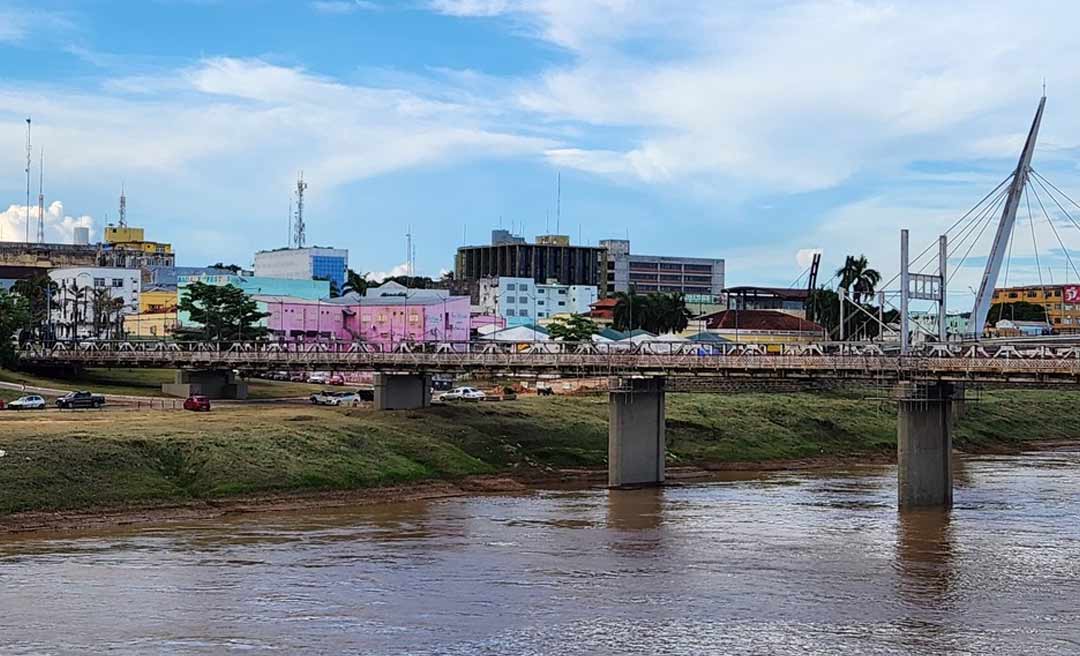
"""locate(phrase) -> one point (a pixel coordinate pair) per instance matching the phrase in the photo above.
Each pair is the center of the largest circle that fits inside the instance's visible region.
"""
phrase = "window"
(510, 313)
(117, 282)
(523, 299)
(511, 287)
(562, 303)
(99, 282)
(509, 300)
(562, 292)
(1012, 295)
(414, 318)
(539, 302)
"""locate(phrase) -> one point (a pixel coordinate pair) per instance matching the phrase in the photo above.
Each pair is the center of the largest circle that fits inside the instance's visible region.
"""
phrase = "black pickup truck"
(80, 400)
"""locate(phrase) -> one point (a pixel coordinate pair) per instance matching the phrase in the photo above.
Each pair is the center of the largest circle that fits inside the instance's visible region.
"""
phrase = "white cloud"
(342, 6)
(471, 8)
(59, 227)
(379, 276)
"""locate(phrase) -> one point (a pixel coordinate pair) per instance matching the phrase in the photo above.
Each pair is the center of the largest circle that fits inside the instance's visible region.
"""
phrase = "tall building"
(521, 300)
(540, 262)
(314, 262)
(1061, 304)
(127, 247)
(660, 273)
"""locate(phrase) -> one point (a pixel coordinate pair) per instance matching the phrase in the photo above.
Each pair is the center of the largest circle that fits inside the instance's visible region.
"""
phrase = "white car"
(31, 402)
(463, 394)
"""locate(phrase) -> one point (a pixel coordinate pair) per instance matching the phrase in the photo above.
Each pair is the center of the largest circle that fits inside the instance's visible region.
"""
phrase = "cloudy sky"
(751, 131)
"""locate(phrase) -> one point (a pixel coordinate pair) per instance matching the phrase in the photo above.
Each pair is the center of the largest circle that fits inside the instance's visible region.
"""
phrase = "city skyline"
(748, 134)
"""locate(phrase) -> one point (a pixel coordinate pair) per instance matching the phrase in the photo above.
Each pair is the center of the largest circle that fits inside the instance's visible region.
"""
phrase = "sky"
(751, 131)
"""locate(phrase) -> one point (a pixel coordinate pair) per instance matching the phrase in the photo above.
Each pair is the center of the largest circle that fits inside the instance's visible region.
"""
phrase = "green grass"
(80, 460)
(143, 382)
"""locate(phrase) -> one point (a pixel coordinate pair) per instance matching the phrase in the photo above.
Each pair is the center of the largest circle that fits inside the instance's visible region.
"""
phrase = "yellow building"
(1061, 303)
(134, 239)
(157, 300)
(151, 324)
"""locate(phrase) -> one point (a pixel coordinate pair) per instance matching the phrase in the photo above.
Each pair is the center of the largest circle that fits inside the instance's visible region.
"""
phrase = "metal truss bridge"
(1002, 364)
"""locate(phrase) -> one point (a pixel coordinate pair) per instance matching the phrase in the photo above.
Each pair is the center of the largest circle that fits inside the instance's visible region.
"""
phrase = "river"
(799, 562)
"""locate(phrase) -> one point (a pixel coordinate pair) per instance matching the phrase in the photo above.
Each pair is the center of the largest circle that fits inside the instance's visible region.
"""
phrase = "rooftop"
(786, 293)
(760, 320)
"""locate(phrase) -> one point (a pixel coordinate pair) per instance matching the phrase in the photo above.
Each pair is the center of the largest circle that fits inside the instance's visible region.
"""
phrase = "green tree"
(629, 311)
(1018, 311)
(857, 276)
(39, 291)
(235, 268)
(14, 313)
(823, 307)
(656, 312)
(573, 328)
(355, 283)
(224, 313)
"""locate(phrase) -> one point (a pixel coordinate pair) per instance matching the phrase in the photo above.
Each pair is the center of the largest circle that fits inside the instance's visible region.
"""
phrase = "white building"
(91, 302)
(521, 301)
(304, 264)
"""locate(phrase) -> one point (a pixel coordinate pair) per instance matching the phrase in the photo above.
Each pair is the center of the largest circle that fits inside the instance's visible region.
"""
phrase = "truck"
(81, 399)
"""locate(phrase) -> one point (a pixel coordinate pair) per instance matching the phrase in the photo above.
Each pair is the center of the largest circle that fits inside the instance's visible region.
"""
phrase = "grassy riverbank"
(140, 382)
(55, 461)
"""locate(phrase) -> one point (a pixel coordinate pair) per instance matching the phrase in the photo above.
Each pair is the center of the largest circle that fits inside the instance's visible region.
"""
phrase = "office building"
(91, 302)
(523, 301)
(127, 247)
(1060, 304)
(310, 263)
(660, 273)
(539, 262)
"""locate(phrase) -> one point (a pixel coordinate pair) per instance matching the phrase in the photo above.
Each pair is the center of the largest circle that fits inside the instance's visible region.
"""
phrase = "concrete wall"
(402, 392)
(636, 439)
(924, 448)
(213, 384)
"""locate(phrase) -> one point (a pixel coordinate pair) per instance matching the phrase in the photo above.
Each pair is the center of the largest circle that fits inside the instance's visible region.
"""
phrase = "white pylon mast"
(1005, 229)
(298, 227)
(41, 199)
(28, 157)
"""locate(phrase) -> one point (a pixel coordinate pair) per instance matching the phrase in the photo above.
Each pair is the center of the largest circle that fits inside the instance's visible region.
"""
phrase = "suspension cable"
(1056, 202)
(974, 242)
(1034, 241)
(1050, 220)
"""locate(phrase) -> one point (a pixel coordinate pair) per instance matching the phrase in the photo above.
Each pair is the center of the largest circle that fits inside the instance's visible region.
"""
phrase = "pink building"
(383, 320)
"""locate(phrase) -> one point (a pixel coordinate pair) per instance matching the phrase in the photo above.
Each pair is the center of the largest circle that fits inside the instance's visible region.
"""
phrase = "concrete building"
(658, 273)
(304, 264)
(168, 276)
(92, 301)
(151, 324)
(523, 301)
(956, 325)
(1061, 304)
(784, 299)
(128, 247)
(761, 327)
(256, 286)
(548, 259)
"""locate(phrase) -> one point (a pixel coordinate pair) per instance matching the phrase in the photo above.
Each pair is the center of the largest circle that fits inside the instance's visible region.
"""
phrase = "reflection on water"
(783, 562)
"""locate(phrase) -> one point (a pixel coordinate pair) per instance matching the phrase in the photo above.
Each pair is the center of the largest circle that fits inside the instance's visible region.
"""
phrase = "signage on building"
(1071, 293)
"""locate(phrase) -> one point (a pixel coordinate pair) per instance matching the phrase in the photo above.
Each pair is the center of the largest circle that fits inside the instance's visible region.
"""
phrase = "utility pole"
(28, 155)
(41, 199)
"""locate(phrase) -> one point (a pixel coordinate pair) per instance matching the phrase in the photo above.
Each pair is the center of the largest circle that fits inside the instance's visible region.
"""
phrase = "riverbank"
(138, 383)
(141, 460)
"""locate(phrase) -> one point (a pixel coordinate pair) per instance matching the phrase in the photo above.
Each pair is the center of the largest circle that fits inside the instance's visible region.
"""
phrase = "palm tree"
(628, 311)
(355, 282)
(857, 276)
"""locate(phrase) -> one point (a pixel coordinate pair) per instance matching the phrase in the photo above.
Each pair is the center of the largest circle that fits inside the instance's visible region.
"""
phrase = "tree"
(235, 268)
(656, 312)
(823, 307)
(39, 292)
(14, 313)
(355, 283)
(628, 312)
(573, 328)
(224, 313)
(1018, 311)
(857, 276)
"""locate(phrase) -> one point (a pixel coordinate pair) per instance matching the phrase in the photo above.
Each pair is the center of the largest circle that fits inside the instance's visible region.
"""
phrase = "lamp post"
(75, 323)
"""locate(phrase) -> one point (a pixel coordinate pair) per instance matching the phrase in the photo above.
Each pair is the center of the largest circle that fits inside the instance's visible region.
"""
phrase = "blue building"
(304, 264)
(309, 289)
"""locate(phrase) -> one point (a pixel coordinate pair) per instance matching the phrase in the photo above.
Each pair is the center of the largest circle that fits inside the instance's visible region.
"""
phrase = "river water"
(816, 562)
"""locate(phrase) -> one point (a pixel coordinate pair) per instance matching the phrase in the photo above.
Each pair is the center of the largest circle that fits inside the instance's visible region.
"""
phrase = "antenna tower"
(298, 227)
(123, 207)
(288, 235)
(410, 253)
(41, 199)
(558, 201)
(28, 151)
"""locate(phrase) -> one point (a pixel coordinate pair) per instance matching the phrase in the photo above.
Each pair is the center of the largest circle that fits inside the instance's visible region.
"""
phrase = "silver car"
(29, 402)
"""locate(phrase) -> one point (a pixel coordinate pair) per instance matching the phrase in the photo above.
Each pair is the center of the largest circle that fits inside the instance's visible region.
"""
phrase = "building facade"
(551, 260)
(523, 301)
(304, 264)
(91, 302)
(660, 273)
(127, 247)
(256, 286)
(1060, 303)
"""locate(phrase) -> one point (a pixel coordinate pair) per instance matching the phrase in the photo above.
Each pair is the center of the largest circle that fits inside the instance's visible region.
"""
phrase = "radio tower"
(41, 199)
(28, 179)
(123, 207)
(298, 226)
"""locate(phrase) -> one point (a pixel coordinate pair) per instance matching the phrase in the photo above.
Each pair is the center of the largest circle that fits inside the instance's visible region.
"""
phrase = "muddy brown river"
(804, 562)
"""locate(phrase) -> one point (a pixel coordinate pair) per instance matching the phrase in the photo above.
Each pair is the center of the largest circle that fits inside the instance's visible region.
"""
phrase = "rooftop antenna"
(408, 251)
(123, 207)
(558, 200)
(41, 199)
(288, 236)
(28, 151)
(298, 227)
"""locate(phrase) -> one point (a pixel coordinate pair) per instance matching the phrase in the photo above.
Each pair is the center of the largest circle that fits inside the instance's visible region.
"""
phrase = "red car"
(197, 404)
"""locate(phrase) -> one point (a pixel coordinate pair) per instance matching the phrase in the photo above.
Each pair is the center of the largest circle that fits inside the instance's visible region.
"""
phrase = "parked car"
(81, 399)
(30, 402)
(298, 377)
(318, 378)
(463, 394)
(336, 379)
(325, 397)
(197, 403)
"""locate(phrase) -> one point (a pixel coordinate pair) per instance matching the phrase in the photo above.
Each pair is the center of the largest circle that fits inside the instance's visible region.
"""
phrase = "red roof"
(759, 320)
(604, 308)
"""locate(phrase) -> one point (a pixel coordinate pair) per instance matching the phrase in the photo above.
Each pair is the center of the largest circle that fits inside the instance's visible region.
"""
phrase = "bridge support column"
(214, 384)
(402, 391)
(924, 447)
(636, 443)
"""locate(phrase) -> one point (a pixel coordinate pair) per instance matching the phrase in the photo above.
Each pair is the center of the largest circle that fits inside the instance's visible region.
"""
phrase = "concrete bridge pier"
(211, 383)
(636, 442)
(924, 446)
(402, 391)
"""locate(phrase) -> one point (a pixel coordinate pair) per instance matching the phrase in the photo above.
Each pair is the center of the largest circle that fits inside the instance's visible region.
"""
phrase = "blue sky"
(750, 131)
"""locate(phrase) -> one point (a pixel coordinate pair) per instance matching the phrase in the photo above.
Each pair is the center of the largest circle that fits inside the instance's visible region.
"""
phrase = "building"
(762, 327)
(151, 324)
(382, 320)
(156, 299)
(305, 289)
(785, 299)
(314, 262)
(391, 288)
(523, 301)
(168, 276)
(1010, 328)
(91, 302)
(657, 273)
(956, 325)
(127, 247)
(539, 262)
(1061, 304)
